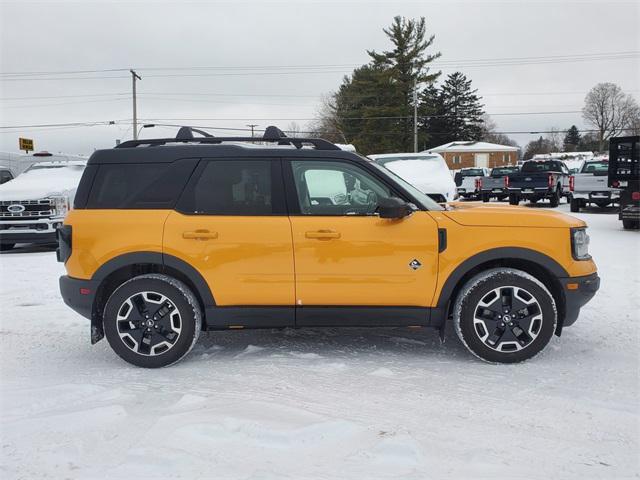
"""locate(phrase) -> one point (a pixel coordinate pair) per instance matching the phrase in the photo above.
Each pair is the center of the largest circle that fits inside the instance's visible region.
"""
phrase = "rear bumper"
(577, 292)
(597, 196)
(539, 192)
(78, 294)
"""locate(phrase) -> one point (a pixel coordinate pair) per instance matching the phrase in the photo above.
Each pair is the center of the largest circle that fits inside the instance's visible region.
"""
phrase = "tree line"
(373, 108)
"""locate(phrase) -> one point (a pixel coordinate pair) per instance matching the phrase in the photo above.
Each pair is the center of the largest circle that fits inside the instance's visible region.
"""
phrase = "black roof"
(186, 145)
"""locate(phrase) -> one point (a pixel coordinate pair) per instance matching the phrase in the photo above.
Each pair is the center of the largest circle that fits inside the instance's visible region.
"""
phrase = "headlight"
(60, 206)
(580, 244)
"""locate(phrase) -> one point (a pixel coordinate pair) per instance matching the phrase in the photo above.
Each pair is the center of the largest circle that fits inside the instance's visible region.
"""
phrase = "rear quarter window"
(140, 186)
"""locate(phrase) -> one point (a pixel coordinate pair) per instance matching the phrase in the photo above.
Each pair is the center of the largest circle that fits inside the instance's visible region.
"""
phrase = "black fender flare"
(162, 260)
(502, 253)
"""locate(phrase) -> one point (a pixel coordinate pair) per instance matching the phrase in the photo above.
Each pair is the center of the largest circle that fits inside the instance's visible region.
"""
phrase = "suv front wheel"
(505, 315)
(152, 320)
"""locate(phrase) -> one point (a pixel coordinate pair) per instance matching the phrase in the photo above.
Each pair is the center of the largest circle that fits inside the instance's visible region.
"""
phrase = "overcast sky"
(318, 42)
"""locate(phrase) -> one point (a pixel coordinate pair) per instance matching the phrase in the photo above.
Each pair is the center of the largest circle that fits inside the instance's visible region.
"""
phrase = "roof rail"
(271, 134)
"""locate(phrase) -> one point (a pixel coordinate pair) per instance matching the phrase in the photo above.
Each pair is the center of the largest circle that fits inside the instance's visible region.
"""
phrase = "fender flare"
(503, 253)
(163, 260)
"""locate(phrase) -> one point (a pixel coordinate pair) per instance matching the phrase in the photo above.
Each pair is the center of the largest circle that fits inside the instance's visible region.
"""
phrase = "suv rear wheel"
(152, 320)
(505, 316)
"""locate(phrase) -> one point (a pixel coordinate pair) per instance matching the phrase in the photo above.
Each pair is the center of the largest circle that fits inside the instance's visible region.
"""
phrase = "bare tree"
(609, 110)
(293, 129)
(490, 133)
(327, 125)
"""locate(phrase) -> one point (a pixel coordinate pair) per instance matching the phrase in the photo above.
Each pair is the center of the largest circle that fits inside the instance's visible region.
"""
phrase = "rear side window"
(140, 186)
(232, 187)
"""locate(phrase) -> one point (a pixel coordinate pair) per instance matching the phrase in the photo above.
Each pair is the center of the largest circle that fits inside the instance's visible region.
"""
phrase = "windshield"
(385, 160)
(50, 166)
(472, 172)
(595, 167)
(423, 198)
(539, 167)
(499, 172)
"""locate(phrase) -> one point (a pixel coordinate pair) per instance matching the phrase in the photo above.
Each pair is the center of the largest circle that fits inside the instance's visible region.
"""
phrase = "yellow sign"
(26, 144)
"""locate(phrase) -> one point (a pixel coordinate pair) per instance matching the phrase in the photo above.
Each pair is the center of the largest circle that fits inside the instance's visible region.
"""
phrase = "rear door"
(231, 225)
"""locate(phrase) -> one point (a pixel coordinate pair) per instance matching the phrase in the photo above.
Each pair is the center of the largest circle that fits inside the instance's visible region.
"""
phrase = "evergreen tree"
(572, 139)
(458, 113)
(384, 88)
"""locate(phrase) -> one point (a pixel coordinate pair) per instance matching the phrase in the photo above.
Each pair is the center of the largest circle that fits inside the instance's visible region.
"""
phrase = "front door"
(482, 160)
(345, 254)
(231, 226)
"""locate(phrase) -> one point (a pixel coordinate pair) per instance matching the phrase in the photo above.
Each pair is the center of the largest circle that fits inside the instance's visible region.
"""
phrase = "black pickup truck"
(537, 180)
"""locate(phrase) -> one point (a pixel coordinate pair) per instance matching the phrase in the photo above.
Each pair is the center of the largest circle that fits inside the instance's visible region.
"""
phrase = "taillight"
(506, 181)
(478, 184)
(572, 182)
(635, 196)
(615, 184)
(550, 182)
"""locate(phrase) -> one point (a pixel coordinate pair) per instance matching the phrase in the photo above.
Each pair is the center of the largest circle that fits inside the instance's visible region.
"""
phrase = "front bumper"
(39, 231)
(577, 292)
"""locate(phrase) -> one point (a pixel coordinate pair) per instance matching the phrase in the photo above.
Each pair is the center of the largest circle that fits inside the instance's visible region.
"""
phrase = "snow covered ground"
(320, 404)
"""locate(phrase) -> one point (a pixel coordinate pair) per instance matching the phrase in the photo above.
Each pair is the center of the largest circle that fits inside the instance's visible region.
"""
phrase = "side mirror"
(393, 207)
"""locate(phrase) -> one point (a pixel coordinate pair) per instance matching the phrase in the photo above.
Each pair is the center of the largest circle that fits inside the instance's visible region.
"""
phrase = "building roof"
(472, 146)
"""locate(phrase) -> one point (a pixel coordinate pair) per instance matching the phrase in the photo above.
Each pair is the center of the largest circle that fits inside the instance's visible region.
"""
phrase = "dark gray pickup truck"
(537, 180)
(495, 184)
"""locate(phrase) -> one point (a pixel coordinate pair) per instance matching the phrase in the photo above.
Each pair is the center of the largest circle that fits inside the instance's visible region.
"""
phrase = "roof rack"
(271, 134)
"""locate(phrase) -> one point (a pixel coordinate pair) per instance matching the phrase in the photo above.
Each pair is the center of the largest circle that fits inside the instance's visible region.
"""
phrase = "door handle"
(200, 235)
(322, 234)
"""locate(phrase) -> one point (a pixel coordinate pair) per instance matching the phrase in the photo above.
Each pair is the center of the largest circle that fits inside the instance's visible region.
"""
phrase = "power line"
(326, 68)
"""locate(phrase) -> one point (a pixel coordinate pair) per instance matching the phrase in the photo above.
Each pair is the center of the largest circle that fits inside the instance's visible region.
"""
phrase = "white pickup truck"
(468, 182)
(589, 186)
(34, 204)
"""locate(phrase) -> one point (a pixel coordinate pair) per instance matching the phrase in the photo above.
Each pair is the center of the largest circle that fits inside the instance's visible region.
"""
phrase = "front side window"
(231, 187)
(334, 188)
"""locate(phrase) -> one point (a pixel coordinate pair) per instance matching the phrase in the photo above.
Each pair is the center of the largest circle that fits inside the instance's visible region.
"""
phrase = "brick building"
(476, 154)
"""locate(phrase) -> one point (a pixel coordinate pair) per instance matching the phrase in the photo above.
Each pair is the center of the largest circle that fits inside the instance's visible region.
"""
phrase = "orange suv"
(172, 236)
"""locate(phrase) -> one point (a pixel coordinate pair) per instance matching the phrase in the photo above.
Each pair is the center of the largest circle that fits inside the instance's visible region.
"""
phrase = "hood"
(478, 215)
(428, 176)
(41, 183)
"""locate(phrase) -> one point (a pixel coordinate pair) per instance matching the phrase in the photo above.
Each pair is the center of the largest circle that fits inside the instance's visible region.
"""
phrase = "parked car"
(34, 204)
(428, 172)
(494, 186)
(6, 174)
(538, 180)
(589, 186)
(167, 239)
(466, 180)
(624, 173)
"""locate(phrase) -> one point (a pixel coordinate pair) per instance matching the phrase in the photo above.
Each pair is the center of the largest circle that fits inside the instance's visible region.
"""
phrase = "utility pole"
(415, 115)
(252, 126)
(134, 77)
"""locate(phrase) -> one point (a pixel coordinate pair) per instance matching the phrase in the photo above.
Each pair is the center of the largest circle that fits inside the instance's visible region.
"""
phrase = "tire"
(631, 224)
(485, 197)
(505, 342)
(169, 337)
(574, 206)
(6, 246)
(554, 201)
(514, 199)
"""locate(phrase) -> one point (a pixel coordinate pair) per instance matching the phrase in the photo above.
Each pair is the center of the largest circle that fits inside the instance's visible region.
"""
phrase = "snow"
(321, 403)
(43, 182)
(472, 146)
